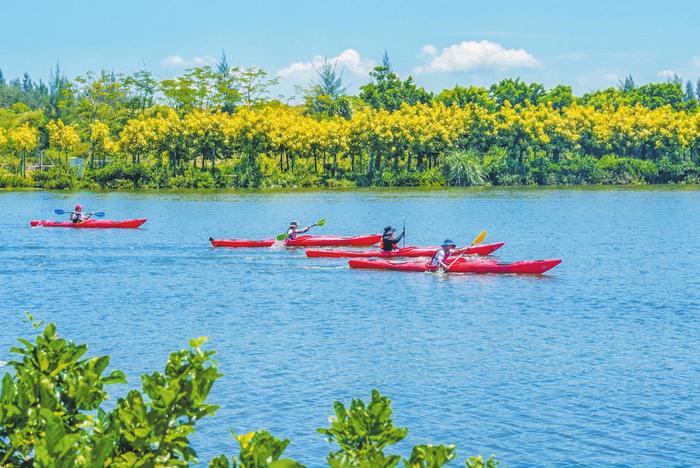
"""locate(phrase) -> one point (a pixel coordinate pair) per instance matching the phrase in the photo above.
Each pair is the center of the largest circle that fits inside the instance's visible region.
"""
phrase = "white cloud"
(428, 51)
(696, 61)
(349, 60)
(179, 61)
(611, 77)
(668, 74)
(473, 55)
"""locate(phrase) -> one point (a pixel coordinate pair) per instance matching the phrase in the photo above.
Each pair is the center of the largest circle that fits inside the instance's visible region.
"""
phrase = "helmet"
(78, 208)
(449, 243)
(389, 229)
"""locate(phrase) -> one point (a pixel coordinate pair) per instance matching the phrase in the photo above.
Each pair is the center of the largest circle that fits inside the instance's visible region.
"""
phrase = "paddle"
(477, 240)
(99, 214)
(320, 222)
(404, 233)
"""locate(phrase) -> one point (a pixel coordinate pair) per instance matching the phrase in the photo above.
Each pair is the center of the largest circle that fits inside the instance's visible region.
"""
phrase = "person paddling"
(77, 215)
(390, 243)
(439, 260)
(294, 230)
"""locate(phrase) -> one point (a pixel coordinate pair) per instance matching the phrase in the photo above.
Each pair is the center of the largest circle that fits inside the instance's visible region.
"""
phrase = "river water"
(595, 363)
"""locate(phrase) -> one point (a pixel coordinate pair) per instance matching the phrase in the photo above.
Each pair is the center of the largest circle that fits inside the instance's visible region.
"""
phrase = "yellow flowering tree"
(24, 139)
(64, 138)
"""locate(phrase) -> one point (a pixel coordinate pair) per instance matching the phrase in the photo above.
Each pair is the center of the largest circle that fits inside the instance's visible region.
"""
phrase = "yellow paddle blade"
(480, 238)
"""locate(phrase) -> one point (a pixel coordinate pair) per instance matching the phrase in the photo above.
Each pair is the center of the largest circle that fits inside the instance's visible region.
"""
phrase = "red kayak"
(535, 267)
(92, 224)
(301, 241)
(483, 249)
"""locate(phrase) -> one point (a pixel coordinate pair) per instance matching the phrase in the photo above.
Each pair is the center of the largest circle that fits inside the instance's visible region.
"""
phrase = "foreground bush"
(51, 415)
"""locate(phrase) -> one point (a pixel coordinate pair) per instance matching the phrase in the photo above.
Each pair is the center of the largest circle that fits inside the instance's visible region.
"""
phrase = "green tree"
(326, 96)
(516, 92)
(460, 96)
(387, 91)
(255, 85)
(559, 97)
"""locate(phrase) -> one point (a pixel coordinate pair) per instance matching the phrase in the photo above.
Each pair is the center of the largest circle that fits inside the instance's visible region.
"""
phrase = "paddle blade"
(99, 214)
(321, 222)
(480, 238)
(281, 237)
(59, 212)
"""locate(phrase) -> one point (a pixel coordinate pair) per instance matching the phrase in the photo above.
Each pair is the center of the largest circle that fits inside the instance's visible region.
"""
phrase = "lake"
(595, 363)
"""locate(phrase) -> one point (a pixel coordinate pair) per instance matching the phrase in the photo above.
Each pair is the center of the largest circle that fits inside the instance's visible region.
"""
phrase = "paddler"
(439, 260)
(294, 230)
(390, 243)
(77, 215)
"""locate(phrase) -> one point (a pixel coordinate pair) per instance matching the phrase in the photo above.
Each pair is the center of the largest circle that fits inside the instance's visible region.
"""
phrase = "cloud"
(179, 61)
(473, 55)
(349, 60)
(428, 51)
(696, 61)
(611, 77)
(668, 74)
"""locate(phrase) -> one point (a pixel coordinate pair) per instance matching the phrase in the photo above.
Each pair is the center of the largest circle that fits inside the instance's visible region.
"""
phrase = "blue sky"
(586, 44)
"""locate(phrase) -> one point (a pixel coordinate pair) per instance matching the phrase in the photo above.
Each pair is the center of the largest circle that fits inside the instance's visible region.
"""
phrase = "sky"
(585, 44)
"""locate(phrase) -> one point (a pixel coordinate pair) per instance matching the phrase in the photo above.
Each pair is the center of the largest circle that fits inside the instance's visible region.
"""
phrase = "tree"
(101, 142)
(227, 85)
(255, 85)
(516, 92)
(60, 94)
(559, 97)
(460, 96)
(63, 137)
(627, 85)
(387, 91)
(689, 91)
(327, 94)
(24, 139)
(140, 89)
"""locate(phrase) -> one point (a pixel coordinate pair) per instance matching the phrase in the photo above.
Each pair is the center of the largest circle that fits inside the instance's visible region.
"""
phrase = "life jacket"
(76, 217)
(388, 242)
(434, 261)
(291, 233)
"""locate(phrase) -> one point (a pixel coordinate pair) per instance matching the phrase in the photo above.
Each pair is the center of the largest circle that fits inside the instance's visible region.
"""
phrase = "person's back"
(388, 241)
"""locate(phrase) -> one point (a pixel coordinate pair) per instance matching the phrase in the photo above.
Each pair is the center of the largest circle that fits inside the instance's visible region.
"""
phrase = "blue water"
(596, 363)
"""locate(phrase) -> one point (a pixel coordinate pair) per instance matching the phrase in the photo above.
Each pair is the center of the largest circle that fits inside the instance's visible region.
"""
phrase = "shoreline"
(680, 187)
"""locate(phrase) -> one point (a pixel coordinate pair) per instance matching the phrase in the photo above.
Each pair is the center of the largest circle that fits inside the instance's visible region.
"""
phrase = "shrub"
(9, 180)
(462, 168)
(51, 414)
(120, 175)
(56, 178)
(626, 170)
(193, 178)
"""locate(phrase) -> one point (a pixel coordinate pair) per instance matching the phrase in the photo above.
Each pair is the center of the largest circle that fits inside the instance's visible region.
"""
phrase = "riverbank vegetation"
(51, 414)
(217, 127)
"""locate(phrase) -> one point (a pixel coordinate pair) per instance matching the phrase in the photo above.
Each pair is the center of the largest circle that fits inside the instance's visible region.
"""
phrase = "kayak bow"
(301, 241)
(91, 224)
(482, 249)
(532, 267)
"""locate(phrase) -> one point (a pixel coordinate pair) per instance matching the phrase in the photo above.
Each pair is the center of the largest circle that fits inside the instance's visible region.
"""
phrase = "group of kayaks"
(375, 259)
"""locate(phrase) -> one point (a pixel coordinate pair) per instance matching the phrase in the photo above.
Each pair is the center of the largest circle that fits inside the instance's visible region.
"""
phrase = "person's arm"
(302, 231)
(87, 216)
(403, 233)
